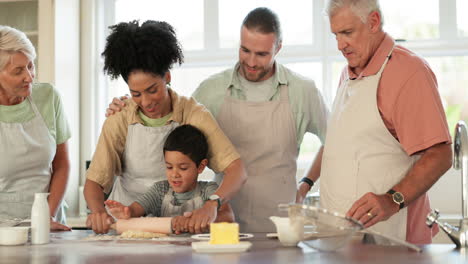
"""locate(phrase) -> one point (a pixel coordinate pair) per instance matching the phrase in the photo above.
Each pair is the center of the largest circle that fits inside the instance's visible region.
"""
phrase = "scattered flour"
(97, 237)
(136, 235)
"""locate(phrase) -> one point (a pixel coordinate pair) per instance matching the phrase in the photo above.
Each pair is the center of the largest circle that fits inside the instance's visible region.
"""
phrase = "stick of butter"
(224, 233)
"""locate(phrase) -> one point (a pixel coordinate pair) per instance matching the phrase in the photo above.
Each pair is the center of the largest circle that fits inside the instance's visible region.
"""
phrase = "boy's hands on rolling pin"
(180, 223)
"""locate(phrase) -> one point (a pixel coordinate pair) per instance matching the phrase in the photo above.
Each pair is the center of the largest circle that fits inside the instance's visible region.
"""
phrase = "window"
(312, 70)
(453, 86)
(186, 79)
(209, 32)
(462, 6)
(297, 29)
(188, 21)
(401, 21)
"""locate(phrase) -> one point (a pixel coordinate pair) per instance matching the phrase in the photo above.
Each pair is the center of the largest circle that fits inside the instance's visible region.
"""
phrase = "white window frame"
(323, 50)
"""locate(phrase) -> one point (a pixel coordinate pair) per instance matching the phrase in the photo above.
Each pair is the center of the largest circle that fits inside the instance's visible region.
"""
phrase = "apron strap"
(386, 60)
(36, 111)
(33, 105)
(228, 92)
(284, 96)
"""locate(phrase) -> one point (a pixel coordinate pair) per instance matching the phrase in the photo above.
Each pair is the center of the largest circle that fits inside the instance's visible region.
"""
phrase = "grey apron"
(168, 209)
(264, 133)
(143, 162)
(27, 151)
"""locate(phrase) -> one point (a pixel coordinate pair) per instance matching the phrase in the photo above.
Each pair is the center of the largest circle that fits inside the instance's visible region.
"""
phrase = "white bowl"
(11, 236)
(331, 230)
(289, 233)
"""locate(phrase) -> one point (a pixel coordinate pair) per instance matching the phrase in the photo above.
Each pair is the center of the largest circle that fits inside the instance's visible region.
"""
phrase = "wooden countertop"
(69, 247)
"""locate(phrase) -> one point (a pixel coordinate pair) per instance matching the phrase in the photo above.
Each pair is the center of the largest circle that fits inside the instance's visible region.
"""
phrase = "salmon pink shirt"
(410, 106)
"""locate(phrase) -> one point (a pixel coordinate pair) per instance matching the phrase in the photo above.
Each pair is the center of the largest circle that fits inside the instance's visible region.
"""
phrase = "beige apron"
(27, 151)
(360, 154)
(264, 133)
(143, 162)
(168, 209)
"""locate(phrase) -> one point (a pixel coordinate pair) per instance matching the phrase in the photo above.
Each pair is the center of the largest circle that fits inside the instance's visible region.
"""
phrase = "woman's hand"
(116, 105)
(180, 223)
(99, 221)
(56, 226)
(118, 210)
(203, 217)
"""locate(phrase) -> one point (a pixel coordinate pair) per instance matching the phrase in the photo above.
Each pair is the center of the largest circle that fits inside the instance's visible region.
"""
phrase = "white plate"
(307, 235)
(206, 247)
(207, 236)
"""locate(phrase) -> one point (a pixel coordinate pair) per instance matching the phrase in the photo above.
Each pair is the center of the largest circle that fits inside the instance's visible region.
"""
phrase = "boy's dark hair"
(265, 21)
(190, 141)
(151, 47)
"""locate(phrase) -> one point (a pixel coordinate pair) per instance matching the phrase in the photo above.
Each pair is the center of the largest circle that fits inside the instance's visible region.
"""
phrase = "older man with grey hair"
(387, 141)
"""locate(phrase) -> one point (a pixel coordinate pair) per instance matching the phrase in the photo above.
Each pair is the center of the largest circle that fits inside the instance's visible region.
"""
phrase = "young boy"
(185, 152)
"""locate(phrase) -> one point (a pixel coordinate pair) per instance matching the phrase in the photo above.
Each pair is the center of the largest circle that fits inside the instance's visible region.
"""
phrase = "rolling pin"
(145, 224)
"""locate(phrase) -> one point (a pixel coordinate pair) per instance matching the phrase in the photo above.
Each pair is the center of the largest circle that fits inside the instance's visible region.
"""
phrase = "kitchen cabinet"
(21, 15)
(52, 26)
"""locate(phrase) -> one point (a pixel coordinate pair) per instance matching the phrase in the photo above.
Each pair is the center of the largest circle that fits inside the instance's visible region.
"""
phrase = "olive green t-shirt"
(154, 122)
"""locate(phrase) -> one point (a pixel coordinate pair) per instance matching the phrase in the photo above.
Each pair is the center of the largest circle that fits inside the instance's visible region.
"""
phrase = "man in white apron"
(375, 164)
(265, 109)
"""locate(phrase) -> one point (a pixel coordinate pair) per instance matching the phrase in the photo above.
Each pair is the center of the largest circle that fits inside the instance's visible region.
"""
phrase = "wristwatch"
(397, 197)
(215, 197)
(308, 181)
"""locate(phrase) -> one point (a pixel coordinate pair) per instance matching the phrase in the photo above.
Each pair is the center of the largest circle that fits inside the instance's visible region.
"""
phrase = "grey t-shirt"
(257, 91)
(151, 201)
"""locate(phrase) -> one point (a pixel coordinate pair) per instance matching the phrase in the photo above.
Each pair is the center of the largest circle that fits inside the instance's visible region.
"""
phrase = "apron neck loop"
(33, 105)
(284, 92)
(386, 60)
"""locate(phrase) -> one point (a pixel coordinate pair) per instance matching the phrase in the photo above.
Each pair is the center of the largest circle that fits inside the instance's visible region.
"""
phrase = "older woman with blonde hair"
(33, 133)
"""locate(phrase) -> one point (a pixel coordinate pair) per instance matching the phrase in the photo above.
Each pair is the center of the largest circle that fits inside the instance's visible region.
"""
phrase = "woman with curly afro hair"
(129, 155)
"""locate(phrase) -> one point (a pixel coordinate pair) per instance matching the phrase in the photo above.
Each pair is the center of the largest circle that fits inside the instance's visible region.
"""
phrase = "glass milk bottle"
(40, 219)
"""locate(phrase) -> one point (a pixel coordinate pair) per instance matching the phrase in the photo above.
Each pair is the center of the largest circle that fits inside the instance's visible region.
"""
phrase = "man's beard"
(256, 77)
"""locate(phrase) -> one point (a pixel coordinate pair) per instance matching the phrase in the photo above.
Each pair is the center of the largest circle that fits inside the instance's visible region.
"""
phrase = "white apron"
(264, 134)
(168, 209)
(143, 162)
(360, 154)
(27, 151)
